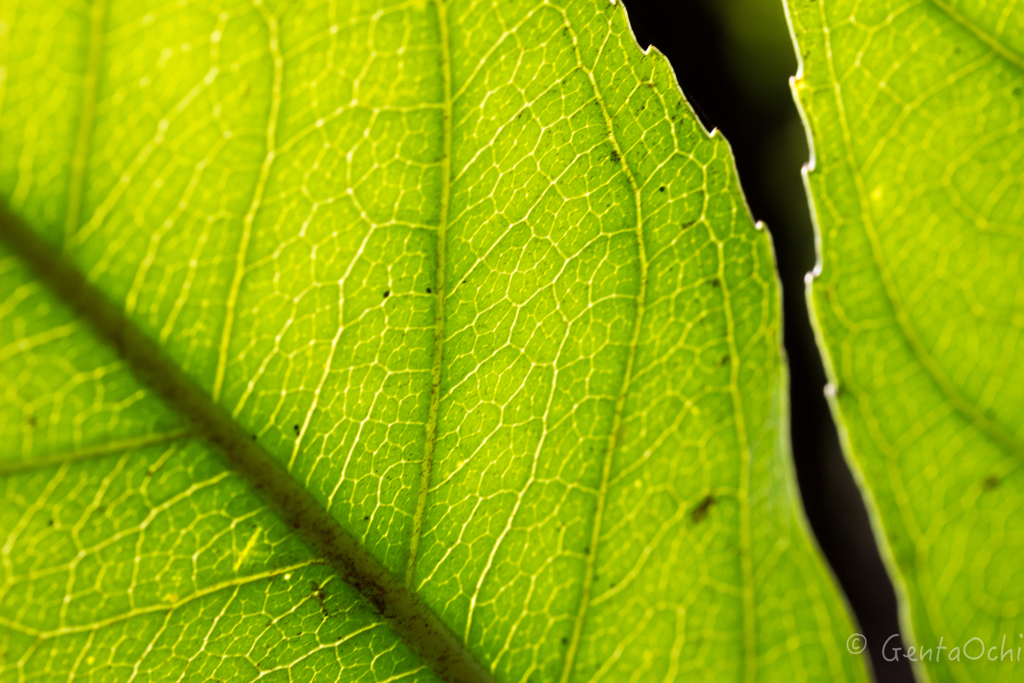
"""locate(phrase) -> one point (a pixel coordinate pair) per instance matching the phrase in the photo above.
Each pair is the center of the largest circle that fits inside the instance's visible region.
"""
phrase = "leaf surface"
(472, 274)
(914, 109)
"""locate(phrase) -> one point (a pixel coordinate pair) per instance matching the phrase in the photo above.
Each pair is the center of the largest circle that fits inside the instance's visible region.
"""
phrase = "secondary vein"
(37, 463)
(975, 30)
(746, 466)
(627, 376)
(90, 87)
(257, 198)
(430, 442)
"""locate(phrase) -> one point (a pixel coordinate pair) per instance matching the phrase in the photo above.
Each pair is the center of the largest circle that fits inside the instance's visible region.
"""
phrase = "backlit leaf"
(915, 110)
(471, 273)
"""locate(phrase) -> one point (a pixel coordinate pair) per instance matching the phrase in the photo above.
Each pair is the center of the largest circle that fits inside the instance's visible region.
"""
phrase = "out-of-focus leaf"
(915, 113)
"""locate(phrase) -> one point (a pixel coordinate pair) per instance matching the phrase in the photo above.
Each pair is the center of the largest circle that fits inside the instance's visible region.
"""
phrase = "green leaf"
(327, 323)
(914, 109)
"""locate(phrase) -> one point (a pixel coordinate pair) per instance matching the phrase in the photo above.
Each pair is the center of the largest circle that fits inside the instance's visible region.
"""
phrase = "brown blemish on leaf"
(700, 513)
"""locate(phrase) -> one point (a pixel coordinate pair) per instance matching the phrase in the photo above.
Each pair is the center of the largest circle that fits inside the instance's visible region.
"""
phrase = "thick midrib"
(440, 292)
(403, 611)
(993, 430)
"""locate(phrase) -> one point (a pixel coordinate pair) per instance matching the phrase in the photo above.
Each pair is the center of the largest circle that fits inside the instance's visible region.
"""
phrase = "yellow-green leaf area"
(915, 111)
(471, 273)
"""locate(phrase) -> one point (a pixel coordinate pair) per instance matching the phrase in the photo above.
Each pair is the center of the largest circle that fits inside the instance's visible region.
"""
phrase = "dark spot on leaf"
(387, 293)
(725, 360)
(50, 523)
(366, 518)
(661, 189)
(714, 282)
(296, 428)
(990, 482)
(376, 599)
(614, 157)
(700, 513)
(689, 224)
(320, 595)
(565, 641)
(586, 551)
(31, 421)
(429, 290)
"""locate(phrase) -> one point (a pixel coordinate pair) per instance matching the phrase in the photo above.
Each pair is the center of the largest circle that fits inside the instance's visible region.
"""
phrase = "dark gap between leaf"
(733, 59)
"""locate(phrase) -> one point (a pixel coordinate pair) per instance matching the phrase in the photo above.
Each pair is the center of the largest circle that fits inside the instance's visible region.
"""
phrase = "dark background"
(733, 59)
